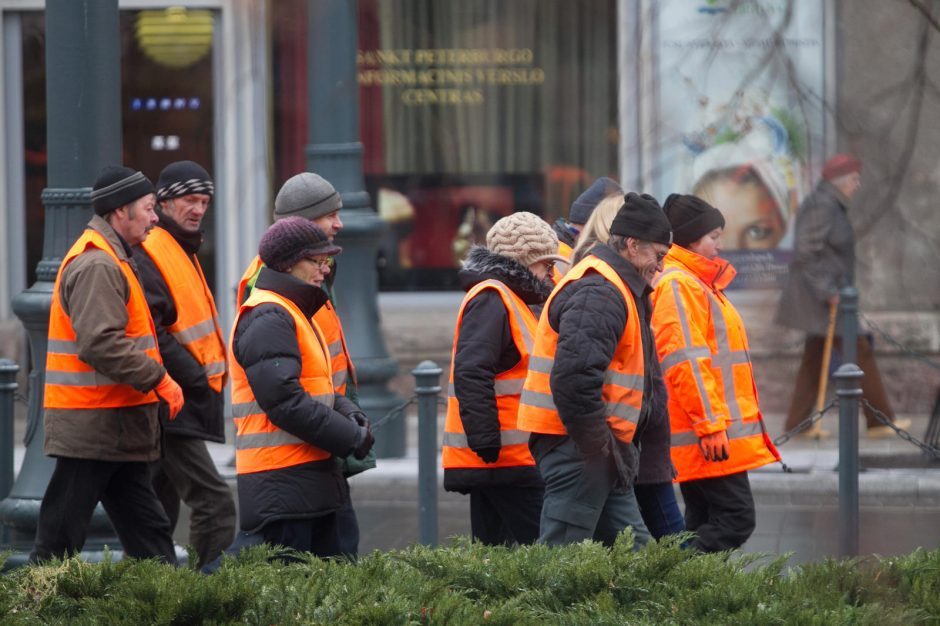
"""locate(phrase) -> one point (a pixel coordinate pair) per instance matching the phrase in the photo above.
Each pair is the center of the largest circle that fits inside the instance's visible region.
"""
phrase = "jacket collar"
(628, 274)
(189, 242)
(717, 273)
(103, 228)
(481, 264)
(564, 231)
(308, 298)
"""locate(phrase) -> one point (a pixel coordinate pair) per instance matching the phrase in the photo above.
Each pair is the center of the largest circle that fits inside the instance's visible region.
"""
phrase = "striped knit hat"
(183, 178)
(118, 186)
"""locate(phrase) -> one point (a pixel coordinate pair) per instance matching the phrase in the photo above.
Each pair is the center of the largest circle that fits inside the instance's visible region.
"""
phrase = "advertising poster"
(740, 118)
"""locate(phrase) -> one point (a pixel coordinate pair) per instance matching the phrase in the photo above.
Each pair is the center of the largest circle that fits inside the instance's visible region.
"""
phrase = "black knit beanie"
(585, 204)
(182, 178)
(291, 239)
(692, 218)
(117, 186)
(642, 218)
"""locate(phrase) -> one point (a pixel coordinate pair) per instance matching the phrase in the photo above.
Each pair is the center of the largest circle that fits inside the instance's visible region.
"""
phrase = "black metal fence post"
(848, 323)
(8, 386)
(427, 388)
(848, 389)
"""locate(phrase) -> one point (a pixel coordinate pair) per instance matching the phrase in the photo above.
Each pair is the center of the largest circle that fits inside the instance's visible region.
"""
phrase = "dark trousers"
(347, 530)
(187, 471)
(505, 515)
(659, 509)
(318, 535)
(125, 491)
(803, 400)
(720, 511)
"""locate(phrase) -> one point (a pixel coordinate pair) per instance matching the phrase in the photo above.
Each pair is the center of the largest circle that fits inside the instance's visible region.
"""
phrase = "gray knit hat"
(306, 195)
(524, 237)
(291, 239)
(585, 204)
(117, 186)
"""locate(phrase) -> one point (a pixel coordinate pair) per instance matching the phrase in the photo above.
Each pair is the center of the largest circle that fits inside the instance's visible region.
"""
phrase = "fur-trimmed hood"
(481, 264)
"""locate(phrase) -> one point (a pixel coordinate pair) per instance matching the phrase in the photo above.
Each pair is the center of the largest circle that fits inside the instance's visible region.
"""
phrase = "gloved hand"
(365, 443)
(489, 455)
(360, 418)
(171, 393)
(715, 446)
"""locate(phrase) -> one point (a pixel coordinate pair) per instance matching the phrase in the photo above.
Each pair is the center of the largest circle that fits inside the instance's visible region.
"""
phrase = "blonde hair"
(597, 229)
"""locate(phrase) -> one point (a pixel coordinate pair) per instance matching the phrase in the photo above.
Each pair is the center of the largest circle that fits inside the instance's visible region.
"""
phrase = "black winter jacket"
(485, 348)
(590, 317)
(202, 415)
(265, 345)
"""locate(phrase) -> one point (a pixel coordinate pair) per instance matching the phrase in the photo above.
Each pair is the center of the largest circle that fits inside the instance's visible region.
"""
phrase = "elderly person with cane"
(823, 263)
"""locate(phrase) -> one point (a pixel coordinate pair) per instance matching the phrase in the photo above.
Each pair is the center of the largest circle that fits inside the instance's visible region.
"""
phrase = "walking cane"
(816, 432)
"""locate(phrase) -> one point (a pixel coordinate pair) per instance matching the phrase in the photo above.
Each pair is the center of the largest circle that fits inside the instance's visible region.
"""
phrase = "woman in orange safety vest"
(718, 432)
(485, 455)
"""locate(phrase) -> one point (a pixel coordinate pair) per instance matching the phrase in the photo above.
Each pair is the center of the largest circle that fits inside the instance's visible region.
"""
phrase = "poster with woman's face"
(739, 118)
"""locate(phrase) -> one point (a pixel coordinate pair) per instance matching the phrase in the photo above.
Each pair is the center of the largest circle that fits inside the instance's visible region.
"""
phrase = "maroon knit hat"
(291, 239)
(840, 165)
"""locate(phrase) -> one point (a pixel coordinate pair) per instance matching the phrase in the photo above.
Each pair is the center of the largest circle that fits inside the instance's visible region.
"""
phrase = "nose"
(325, 268)
(337, 223)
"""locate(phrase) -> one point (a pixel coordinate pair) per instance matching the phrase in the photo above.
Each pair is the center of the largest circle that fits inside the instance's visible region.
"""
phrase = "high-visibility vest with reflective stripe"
(514, 451)
(70, 382)
(703, 348)
(566, 251)
(328, 320)
(622, 390)
(197, 321)
(259, 444)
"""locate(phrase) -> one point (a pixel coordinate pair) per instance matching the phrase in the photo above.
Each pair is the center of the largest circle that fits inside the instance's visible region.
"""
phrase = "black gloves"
(489, 455)
(366, 439)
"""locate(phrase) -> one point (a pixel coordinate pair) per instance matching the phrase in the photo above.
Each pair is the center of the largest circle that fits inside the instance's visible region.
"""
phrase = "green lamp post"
(83, 86)
(334, 152)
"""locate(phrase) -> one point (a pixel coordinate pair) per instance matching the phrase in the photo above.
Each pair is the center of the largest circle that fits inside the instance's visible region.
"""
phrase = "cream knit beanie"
(525, 238)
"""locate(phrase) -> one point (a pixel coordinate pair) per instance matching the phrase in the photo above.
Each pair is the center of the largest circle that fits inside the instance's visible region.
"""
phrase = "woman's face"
(752, 218)
(311, 270)
(709, 246)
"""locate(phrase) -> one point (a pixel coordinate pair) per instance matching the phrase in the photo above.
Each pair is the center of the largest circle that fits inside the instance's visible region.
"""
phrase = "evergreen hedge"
(473, 584)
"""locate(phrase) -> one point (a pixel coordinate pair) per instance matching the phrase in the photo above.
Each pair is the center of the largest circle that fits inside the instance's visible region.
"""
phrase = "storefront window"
(469, 110)
(166, 105)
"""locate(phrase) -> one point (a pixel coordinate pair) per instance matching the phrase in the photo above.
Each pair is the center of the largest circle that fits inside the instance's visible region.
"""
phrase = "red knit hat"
(840, 165)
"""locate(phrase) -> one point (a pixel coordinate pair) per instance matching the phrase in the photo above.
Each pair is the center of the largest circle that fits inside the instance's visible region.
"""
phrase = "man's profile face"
(329, 223)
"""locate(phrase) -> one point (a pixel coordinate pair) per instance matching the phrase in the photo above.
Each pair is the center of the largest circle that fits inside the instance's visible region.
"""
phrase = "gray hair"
(618, 242)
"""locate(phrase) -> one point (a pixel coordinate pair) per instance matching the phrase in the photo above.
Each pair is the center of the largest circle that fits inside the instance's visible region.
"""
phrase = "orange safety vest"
(622, 390)
(514, 451)
(74, 384)
(703, 348)
(328, 320)
(260, 445)
(197, 322)
(566, 251)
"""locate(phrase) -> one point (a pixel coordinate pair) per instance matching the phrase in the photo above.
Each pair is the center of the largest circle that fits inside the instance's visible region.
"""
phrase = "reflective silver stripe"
(538, 399)
(623, 411)
(244, 409)
(508, 387)
(506, 438)
(215, 368)
(526, 336)
(77, 379)
(629, 381)
(541, 364)
(726, 358)
(67, 346)
(736, 430)
(685, 354)
(266, 440)
(339, 378)
(687, 336)
(336, 348)
(194, 332)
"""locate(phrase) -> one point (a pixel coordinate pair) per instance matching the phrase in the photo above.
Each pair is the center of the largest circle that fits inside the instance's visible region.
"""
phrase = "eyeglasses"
(549, 265)
(327, 261)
